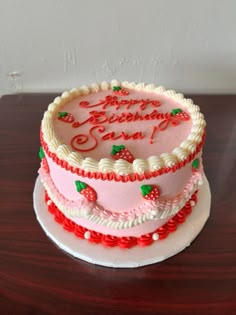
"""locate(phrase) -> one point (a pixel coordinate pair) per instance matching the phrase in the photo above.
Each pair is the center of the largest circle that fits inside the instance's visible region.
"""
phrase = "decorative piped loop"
(129, 85)
(200, 122)
(194, 137)
(181, 153)
(160, 89)
(67, 96)
(169, 93)
(54, 144)
(94, 87)
(59, 100)
(122, 167)
(150, 87)
(169, 159)
(75, 159)
(188, 145)
(90, 165)
(75, 92)
(52, 107)
(84, 90)
(105, 86)
(106, 165)
(155, 163)
(140, 86)
(140, 166)
(47, 115)
(63, 151)
(178, 97)
(198, 116)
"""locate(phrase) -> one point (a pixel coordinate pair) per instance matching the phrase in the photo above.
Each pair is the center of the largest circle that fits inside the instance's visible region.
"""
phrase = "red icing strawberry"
(88, 192)
(179, 113)
(120, 152)
(66, 117)
(150, 192)
(119, 91)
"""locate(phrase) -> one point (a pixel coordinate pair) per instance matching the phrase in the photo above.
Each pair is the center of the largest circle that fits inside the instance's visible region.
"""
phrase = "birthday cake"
(121, 162)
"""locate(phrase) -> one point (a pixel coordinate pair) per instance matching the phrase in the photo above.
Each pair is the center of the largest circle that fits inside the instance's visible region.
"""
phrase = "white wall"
(51, 45)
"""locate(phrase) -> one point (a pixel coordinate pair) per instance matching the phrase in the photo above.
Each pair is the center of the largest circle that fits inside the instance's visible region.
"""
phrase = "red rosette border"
(124, 242)
(69, 225)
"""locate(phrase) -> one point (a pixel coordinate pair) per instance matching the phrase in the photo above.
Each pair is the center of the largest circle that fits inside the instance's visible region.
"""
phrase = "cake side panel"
(119, 196)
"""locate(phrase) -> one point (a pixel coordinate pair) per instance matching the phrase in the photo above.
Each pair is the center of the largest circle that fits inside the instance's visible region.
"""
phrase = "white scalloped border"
(122, 167)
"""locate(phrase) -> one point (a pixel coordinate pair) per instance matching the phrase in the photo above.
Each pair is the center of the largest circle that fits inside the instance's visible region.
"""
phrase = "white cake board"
(122, 258)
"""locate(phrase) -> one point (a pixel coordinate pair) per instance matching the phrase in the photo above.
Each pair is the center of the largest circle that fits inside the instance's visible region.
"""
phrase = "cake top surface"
(122, 127)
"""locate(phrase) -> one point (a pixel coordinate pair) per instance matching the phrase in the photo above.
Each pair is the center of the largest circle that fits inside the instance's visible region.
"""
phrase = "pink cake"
(121, 162)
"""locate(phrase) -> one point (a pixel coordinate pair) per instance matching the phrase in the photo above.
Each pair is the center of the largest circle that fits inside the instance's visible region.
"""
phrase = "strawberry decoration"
(179, 113)
(66, 117)
(85, 190)
(150, 192)
(120, 152)
(43, 160)
(119, 91)
(195, 165)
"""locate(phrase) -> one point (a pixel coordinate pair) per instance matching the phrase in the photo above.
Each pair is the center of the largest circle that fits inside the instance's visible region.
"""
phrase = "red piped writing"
(113, 101)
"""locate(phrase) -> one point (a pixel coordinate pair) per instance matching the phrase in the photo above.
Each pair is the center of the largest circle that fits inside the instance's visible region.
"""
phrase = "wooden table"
(38, 278)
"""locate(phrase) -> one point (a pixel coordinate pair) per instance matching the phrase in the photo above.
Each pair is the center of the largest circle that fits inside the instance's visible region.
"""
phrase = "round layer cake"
(121, 162)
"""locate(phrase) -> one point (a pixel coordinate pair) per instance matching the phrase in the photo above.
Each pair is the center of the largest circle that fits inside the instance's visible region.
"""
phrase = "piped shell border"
(121, 170)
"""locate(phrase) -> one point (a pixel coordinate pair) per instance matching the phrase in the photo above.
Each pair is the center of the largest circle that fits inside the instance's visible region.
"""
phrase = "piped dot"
(192, 203)
(49, 202)
(87, 235)
(155, 236)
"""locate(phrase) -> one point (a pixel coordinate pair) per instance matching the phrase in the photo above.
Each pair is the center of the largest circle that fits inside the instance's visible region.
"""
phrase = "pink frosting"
(138, 230)
(119, 196)
(163, 141)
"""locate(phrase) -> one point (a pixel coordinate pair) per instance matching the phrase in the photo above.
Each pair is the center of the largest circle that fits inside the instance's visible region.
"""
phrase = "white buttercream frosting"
(122, 167)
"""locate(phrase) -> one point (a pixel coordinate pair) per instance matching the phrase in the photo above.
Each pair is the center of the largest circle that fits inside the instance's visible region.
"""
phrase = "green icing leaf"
(176, 111)
(80, 185)
(145, 189)
(195, 164)
(62, 114)
(117, 149)
(116, 88)
(41, 153)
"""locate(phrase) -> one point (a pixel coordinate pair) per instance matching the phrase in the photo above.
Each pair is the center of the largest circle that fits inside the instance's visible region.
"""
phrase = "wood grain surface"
(38, 278)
